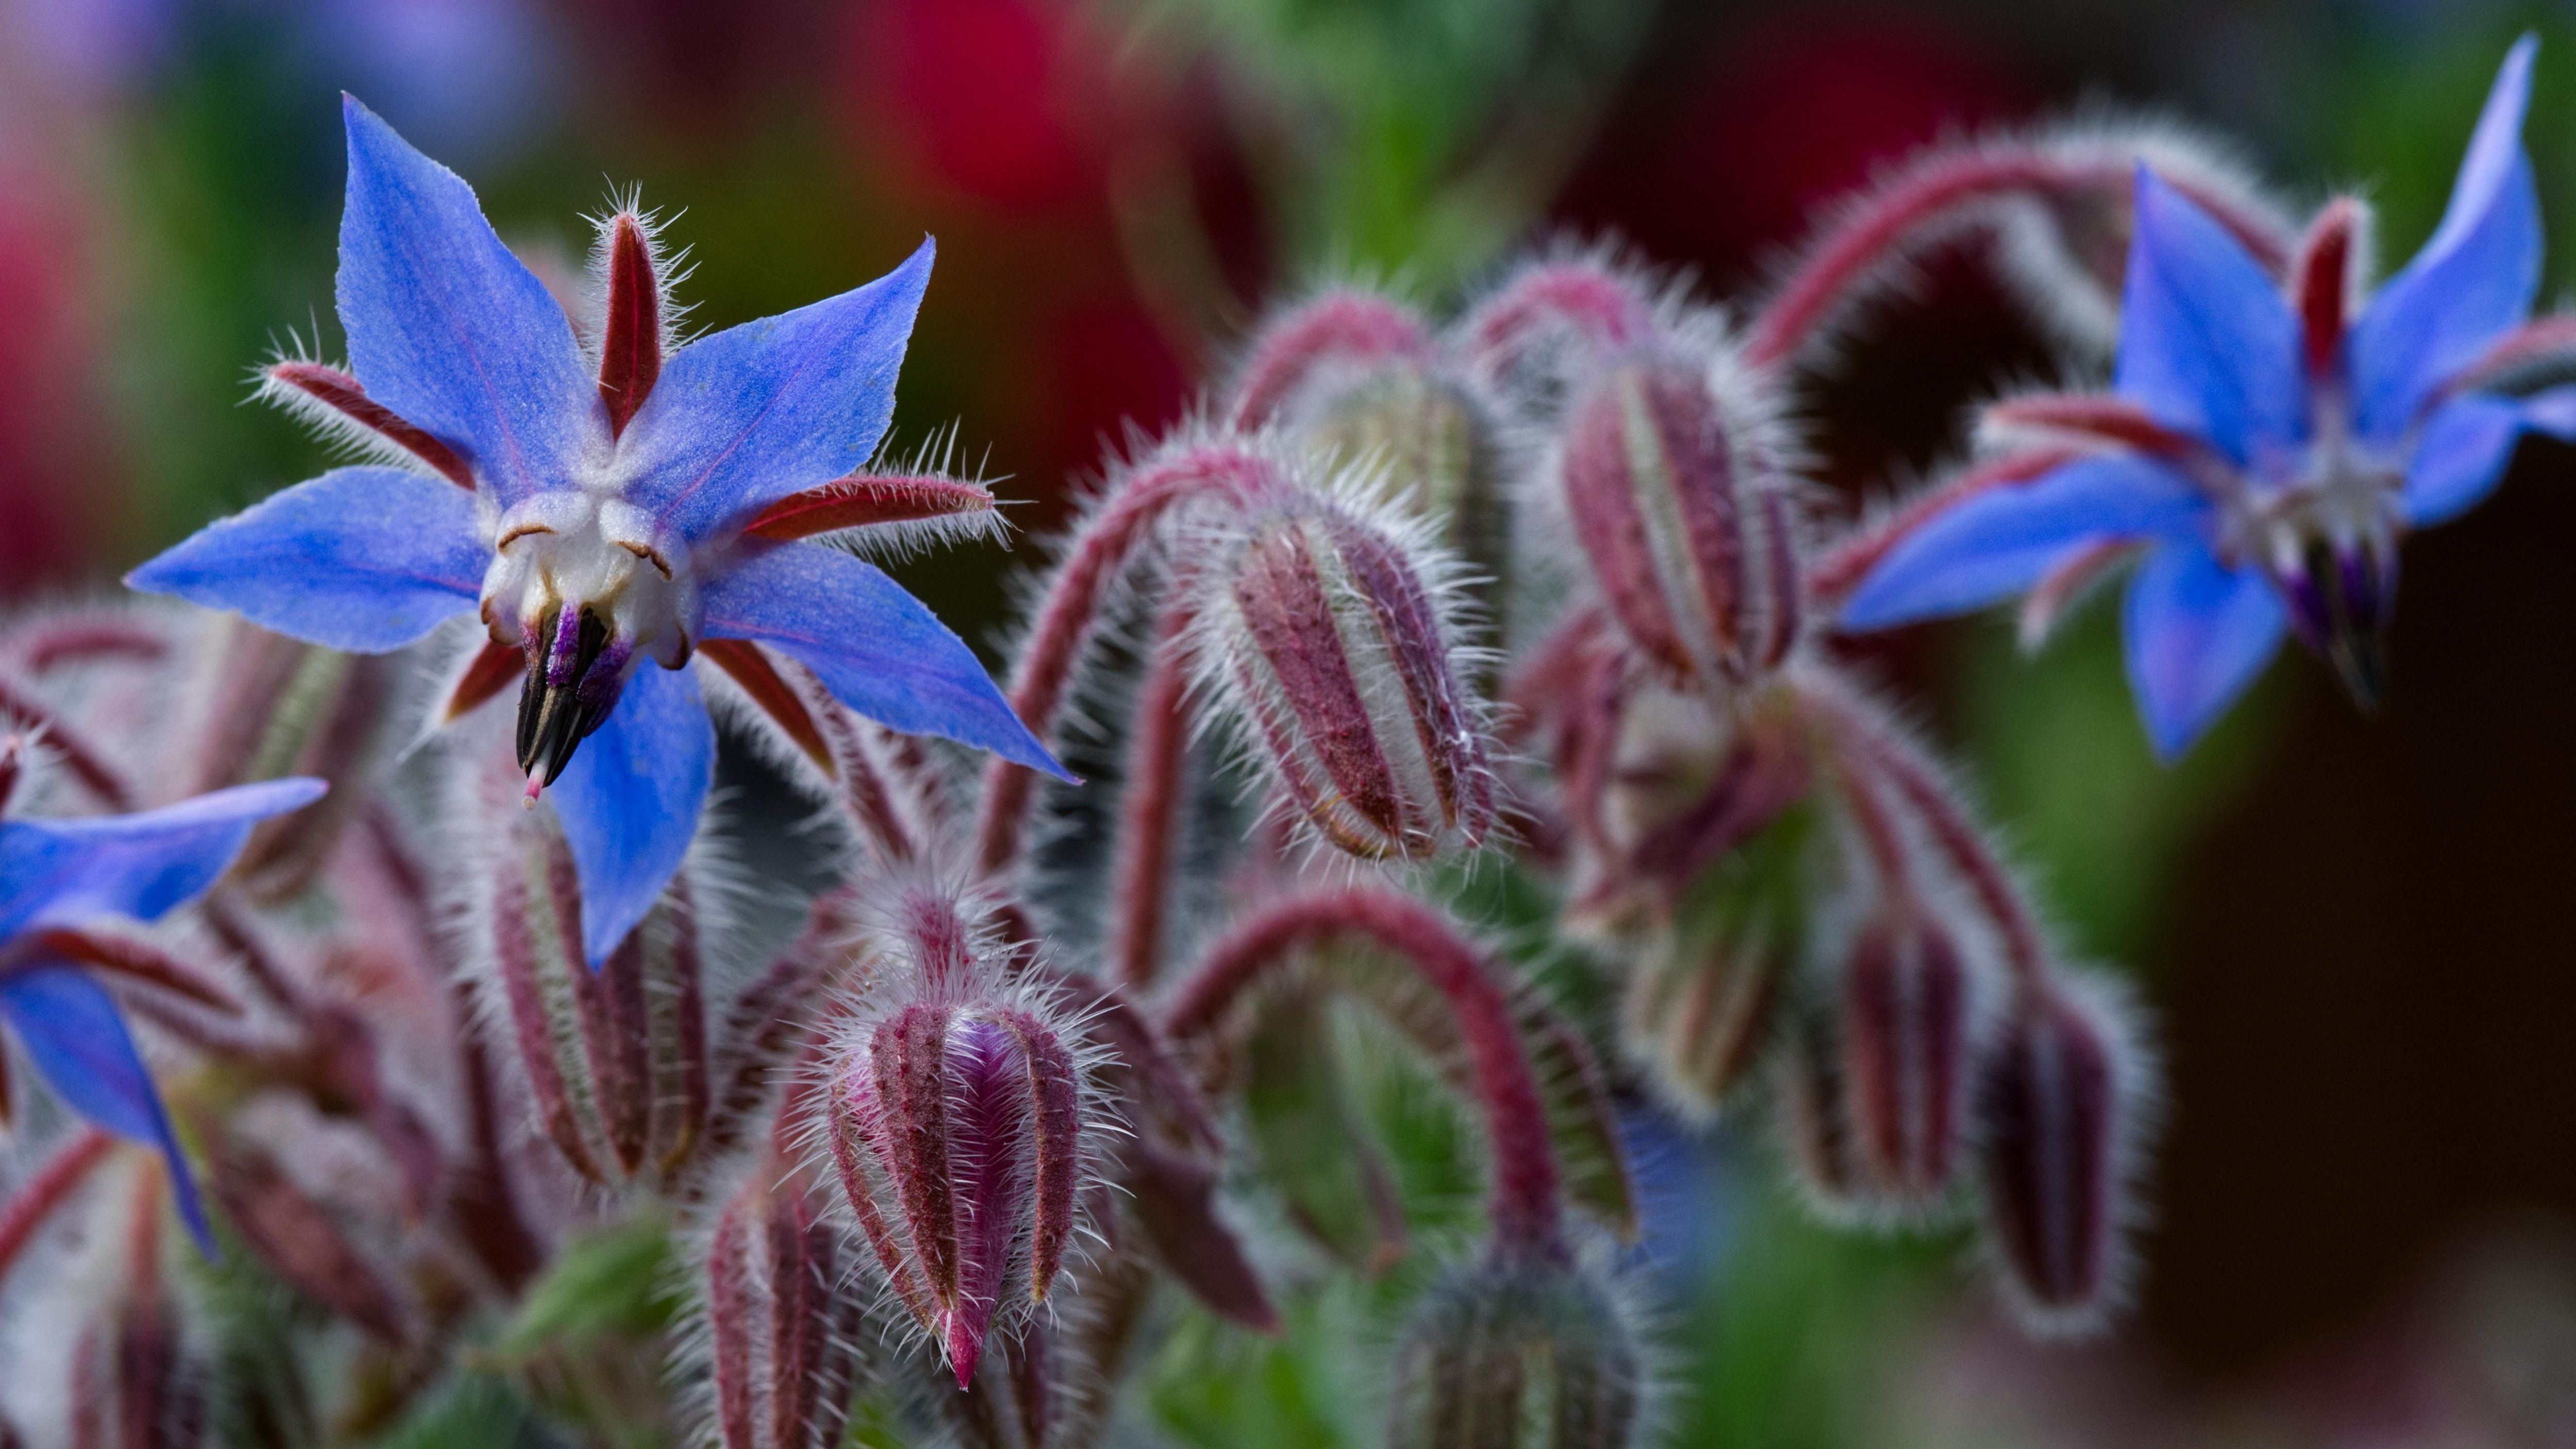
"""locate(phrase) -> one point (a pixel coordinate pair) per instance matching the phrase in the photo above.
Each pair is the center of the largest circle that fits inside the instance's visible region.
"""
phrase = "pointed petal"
(449, 330)
(2198, 633)
(876, 648)
(2207, 341)
(361, 559)
(752, 414)
(630, 799)
(73, 1033)
(2465, 449)
(1997, 543)
(63, 872)
(2471, 283)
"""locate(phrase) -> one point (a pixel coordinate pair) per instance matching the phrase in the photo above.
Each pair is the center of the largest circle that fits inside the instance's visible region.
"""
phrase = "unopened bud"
(957, 1114)
(299, 1241)
(1324, 630)
(1665, 487)
(615, 1058)
(1320, 346)
(781, 1330)
(1702, 1001)
(1517, 1354)
(1810, 1105)
(1551, 325)
(2058, 1101)
(1908, 1008)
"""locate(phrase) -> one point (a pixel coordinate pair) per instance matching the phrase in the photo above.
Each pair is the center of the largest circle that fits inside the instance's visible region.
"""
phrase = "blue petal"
(2000, 542)
(629, 801)
(73, 1033)
(2198, 633)
(362, 559)
(876, 648)
(61, 872)
(448, 329)
(2472, 282)
(2552, 411)
(2207, 342)
(741, 419)
(2462, 457)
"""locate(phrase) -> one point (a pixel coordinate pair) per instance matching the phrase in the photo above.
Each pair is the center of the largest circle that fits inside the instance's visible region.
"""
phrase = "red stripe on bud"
(299, 1242)
(865, 500)
(342, 394)
(2322, 282)
(782, 1355)
(630, 348)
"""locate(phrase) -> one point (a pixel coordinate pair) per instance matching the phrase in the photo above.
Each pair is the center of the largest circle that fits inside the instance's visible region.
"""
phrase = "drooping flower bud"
(1810, 1106)
(782, 1331)
(1674, 494)
(1908, 1013)
(299, 1240)
(1705, 990)
(1321, 346)
(616, 1059)
(1517, 1354)
(1327, 630)
(2059, 1095)
(957, 1117)
(1549, 326)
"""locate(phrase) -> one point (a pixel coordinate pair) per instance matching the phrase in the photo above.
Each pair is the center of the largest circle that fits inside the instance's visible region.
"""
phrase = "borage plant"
(517, 1090)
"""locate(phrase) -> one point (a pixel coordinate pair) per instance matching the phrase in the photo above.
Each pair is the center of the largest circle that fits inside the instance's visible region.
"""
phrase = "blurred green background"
(2357, 933)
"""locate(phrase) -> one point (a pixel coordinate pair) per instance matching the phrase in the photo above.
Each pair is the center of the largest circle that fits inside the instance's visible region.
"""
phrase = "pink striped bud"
(1909, 1008)
(1518, 1354)
(1675, 496)
(1330, 633)
(781, 1330)
(615, 1059)
(2059, 1096)
(1319, 347)
(958, 1116)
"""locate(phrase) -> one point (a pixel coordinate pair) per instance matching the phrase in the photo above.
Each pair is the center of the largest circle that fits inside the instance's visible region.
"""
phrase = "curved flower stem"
(1071, 609)
(1527, 1216)
(1149, 812)
(1933, 194)
(1870, 742)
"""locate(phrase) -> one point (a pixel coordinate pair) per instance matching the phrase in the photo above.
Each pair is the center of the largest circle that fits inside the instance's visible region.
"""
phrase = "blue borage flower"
(57, 876)
(603, 517)
(2265, 445)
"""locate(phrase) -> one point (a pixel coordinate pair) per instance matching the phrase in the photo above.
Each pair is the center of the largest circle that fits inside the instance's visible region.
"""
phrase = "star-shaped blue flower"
(57, 876)
(603, 507)
(2265, 445)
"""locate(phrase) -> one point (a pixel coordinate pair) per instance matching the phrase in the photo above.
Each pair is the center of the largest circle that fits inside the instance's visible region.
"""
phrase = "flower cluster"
(508, 1062)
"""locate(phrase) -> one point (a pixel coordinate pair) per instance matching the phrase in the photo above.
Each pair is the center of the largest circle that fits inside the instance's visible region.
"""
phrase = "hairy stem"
(1527, 1217)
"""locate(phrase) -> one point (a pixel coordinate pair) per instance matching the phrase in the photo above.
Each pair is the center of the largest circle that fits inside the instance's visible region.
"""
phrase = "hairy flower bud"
(1550, 325)
(1908, 1004)
(616, 1059)
(1517, 1354)
(1673, 494)
(780, 1329)
(1325, 628)
(2058, 1100)
(1703, 996)
(1811, 1110)
(957, 1117)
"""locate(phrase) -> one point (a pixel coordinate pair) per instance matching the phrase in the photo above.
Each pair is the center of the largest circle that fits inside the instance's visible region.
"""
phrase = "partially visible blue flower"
(61, 875)
(605, 506)
(2265, 446)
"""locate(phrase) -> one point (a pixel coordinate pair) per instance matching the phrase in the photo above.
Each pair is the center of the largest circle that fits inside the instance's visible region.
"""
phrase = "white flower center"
(568, 549)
